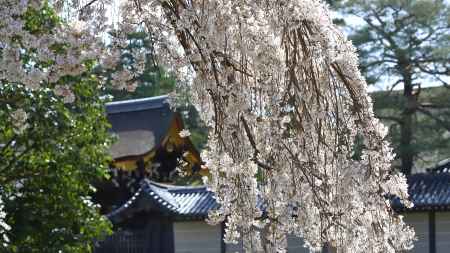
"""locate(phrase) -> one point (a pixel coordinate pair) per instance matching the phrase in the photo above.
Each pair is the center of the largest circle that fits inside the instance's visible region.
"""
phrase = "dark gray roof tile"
(178, 201)
(428, 191)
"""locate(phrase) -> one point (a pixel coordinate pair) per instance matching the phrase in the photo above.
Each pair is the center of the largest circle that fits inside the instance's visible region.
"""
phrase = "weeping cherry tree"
(280, 88)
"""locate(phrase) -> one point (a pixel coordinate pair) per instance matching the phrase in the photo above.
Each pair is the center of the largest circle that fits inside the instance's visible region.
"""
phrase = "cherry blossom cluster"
(43, 63)
(39, 59)
(280, 88)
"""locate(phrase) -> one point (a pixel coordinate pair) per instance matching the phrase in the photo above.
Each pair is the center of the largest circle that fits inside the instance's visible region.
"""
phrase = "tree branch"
(253, 144)
(87, 5)
(435, 118)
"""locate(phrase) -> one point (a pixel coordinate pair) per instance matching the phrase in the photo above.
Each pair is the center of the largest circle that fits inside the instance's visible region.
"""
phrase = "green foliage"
(47, 167)
(42, 20)
(431, 141)
(406, 44)
(46, 171)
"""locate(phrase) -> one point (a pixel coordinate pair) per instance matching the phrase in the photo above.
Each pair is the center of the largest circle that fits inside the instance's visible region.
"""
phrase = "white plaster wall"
(419, 221)
(199, 237)
(295, 245)
(196, 237)
(442, 232)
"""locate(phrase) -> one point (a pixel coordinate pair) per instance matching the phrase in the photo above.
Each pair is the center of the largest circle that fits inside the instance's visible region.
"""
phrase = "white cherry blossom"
(184, 133)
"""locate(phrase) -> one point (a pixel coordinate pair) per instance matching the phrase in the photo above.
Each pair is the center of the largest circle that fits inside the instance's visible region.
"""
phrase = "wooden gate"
(156, 237)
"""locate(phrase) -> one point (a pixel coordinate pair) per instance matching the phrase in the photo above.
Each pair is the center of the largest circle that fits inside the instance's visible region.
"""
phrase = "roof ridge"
(137, 104)
(193, 189)
(137, 100)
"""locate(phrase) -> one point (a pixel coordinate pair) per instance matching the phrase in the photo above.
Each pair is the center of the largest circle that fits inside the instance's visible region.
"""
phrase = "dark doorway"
(154, 237)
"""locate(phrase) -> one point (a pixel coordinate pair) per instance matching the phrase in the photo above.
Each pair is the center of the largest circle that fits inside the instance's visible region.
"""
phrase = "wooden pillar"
(223, 248)
(432, 231)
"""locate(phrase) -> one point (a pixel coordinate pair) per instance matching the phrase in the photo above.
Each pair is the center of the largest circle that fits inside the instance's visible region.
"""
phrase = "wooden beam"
(432, 231)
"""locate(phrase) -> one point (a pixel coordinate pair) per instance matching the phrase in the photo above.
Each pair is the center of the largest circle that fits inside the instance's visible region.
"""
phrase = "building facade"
(149, 216)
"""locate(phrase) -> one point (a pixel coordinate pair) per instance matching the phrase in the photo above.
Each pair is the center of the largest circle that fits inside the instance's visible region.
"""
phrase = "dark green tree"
(50, 153)
(405, 44)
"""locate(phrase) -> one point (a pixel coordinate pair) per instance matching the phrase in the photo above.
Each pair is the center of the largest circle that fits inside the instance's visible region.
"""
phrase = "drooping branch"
(253, 144)
(281, 88)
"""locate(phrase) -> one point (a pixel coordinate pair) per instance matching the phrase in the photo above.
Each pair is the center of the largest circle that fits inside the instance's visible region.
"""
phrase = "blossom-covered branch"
(280, 86)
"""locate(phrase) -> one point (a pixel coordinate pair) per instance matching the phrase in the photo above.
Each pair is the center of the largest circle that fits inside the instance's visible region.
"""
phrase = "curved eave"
(181, 203)
(145, 199)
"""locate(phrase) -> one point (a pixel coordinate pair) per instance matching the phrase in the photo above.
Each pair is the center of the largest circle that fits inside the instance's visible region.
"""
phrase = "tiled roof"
(182, 202)
(428, 191)
(194, 201)
(140, 125)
